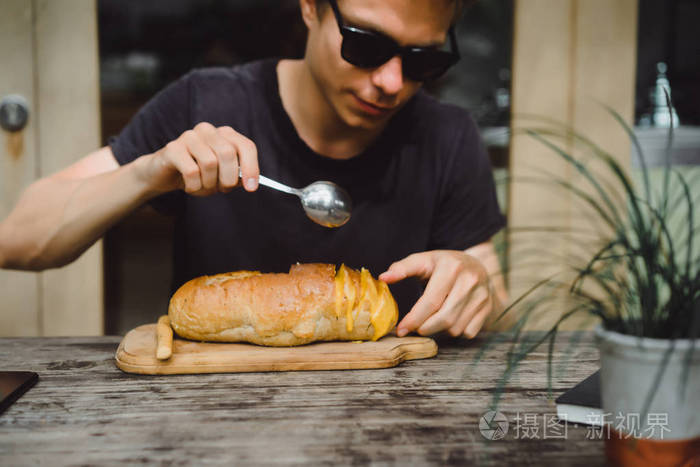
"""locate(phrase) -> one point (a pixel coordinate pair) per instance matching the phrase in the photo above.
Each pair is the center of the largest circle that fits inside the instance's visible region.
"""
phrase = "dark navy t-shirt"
(425, 184)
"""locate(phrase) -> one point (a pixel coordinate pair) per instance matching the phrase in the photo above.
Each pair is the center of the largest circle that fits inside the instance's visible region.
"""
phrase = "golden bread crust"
(276, 309)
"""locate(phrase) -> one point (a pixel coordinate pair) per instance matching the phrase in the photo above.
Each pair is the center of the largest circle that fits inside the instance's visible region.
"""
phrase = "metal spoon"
(325, 203)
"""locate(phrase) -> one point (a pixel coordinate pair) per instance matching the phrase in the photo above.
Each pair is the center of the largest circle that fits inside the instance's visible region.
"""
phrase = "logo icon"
(493, 425)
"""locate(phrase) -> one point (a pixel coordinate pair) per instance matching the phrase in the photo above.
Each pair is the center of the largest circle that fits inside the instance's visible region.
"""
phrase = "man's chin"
(359, 120)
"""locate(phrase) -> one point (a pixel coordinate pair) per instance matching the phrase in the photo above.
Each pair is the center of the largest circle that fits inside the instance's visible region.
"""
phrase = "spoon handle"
(276, 185)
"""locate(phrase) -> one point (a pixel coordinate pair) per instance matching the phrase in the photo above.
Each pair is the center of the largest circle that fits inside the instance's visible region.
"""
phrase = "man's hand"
(458, 298)
(202, 161)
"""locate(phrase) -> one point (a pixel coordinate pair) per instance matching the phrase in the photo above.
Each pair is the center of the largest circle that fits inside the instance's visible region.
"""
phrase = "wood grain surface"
(85, 411)
(137, 354)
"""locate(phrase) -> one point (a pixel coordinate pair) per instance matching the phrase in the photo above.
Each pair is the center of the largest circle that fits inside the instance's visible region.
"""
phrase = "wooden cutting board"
(137, 354)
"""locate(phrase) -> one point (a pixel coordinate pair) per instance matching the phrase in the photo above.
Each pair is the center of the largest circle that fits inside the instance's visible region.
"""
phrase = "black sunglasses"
(370, 49)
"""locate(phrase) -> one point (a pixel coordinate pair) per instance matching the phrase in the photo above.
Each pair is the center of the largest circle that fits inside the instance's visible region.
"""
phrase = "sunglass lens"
(425, 65)
(365, 50)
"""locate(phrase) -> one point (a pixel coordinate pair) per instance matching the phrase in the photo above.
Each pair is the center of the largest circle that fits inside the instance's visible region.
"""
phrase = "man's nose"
(389, 77)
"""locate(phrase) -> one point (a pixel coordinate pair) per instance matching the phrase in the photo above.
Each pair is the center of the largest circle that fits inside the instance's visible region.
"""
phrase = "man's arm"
(463, 288)
(60, 216)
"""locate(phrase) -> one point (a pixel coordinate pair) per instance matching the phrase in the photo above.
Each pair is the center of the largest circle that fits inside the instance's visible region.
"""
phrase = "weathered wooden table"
(84, 410)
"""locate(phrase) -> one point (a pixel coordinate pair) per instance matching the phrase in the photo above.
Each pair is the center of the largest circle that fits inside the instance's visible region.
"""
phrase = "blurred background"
(85, 67)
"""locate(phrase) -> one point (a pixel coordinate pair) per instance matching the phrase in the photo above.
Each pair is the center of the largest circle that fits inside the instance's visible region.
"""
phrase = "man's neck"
(315, 121)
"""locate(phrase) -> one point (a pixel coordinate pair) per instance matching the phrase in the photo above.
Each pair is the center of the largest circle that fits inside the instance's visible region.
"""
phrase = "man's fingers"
(226, 155)
(178, 155)
(247, 156)
(430, 302)
(456, 311)
(477, 322)
(474, 304)
(418, 265)
(205, 158)
(457, 298)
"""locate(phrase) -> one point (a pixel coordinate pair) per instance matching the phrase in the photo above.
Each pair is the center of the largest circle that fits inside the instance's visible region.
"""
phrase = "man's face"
(367, 98)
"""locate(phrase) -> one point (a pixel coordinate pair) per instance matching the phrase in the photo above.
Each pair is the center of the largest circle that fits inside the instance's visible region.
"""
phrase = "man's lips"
(370, 108)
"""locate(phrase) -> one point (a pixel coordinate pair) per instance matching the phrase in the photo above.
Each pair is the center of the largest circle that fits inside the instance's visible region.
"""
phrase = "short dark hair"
(461, 6)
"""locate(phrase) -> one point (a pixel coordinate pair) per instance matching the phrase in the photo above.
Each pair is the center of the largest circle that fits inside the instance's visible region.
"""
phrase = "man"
(350, 112)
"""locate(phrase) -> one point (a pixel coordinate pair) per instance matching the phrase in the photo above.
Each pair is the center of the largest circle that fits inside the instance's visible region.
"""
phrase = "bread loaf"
(311, 303)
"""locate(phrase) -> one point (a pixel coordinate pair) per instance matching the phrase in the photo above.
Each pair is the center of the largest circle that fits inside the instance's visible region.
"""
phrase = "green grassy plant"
(639, 275)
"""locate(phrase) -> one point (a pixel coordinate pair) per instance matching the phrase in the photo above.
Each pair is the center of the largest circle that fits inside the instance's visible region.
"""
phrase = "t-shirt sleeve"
(161, 120)
(467, 213)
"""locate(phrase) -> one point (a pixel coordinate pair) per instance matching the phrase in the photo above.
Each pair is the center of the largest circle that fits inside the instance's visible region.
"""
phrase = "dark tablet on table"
(13, 384)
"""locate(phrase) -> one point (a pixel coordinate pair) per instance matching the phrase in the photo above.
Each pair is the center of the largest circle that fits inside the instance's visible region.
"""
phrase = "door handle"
(14, 113)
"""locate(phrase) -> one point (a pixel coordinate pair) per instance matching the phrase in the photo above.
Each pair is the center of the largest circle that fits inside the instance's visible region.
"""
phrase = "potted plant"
(641, 281)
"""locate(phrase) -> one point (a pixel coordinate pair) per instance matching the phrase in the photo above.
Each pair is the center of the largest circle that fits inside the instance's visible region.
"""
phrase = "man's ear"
(309, 11)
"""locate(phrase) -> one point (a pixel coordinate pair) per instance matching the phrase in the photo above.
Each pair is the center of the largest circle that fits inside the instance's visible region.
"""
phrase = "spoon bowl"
(325, 203)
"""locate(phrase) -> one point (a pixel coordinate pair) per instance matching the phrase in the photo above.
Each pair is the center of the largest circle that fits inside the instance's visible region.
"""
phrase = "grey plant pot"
(629, 366)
